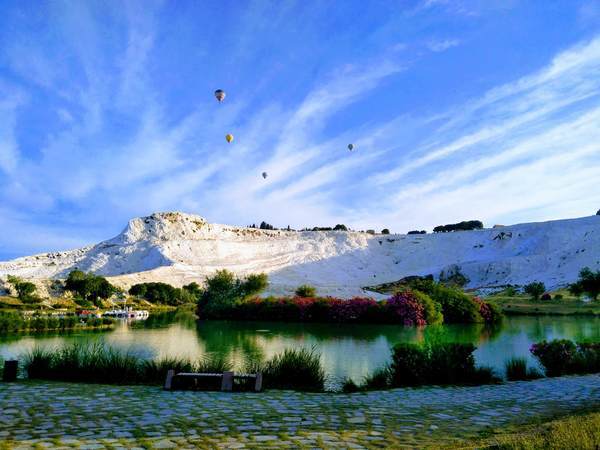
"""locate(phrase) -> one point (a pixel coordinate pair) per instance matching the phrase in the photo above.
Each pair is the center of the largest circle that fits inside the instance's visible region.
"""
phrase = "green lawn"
(524, 304)
(580, 431)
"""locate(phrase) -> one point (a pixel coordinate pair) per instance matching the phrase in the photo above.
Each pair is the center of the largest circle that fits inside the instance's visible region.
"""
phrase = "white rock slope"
(179, 248)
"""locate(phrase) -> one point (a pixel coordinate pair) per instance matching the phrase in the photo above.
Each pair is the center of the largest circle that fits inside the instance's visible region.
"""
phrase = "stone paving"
(51, 415)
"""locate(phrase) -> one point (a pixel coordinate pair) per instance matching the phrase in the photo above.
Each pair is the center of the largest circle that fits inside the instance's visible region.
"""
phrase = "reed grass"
(98, 363)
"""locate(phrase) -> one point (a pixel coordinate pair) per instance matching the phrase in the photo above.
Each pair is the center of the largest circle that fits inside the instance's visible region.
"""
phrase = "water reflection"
(346, 350)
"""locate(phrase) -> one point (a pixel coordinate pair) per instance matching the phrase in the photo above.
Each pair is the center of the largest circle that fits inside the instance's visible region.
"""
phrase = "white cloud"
(440, 45)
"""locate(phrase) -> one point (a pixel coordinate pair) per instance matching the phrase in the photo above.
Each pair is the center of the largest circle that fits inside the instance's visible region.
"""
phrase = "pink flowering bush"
(489, 311)
(405, 308)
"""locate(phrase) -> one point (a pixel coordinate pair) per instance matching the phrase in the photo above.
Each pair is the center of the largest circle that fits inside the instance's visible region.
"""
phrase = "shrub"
(385, 231)
(510, 291)
(588, 283)
(457, 307)
(193, 289)
(558, 296)
(490, 312)
(535, 289)
(25, 289)
(349, 386)
(11, 321)
(83, 302)
(163, 293)
(409, 365)
(546, 297)
(432, 310)
(437, 363)
(405, 308)
(516, 370)
(306, 291)
(340, 227)
(254, 284)
(295, 369)
(223, 290)
(417, 232)
(562, 357)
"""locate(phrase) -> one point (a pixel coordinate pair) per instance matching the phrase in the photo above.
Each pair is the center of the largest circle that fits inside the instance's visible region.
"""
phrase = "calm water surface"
(346, 350)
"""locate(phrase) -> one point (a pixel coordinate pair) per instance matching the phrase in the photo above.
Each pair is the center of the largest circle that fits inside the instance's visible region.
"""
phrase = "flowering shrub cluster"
(489, 311)
(406, 309)
(403, 308)
(562, 357)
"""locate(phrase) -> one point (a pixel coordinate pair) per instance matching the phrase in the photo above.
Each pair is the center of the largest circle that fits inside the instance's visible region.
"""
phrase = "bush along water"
(407, 308)
(13, 321)
(564, 357)
(427, 364)
(99, 363)
(424, 303)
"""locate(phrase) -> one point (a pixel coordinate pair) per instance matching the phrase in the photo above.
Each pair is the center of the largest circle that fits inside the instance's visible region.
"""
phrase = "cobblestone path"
(47, 415)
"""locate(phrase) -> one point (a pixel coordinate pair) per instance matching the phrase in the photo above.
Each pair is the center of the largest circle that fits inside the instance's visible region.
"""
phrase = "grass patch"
(562, 303)
(580, 431)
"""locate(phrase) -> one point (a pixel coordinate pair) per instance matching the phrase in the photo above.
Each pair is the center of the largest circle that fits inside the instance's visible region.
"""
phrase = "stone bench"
(210, 381)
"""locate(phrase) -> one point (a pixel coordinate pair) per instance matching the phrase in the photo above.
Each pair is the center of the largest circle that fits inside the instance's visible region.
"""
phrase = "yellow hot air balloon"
(229, 137)
(220, 95)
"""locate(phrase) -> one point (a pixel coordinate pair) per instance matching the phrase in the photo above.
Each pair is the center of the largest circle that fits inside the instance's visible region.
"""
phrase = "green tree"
(25, 289)
(194, 289)
(223, 290)
(588, 283)
(385, 231)
(254, 284)
(535, 289)
(90, 287)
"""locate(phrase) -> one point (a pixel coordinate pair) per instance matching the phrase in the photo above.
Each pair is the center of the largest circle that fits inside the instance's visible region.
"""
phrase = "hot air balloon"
(350, 147)
(220, 95)
(229, 137)
(265, 175)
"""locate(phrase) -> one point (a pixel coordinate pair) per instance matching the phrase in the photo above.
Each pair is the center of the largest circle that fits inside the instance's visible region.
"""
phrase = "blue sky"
(457, 109)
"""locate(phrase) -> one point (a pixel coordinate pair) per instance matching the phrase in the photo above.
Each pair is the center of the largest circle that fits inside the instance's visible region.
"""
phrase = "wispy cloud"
(110, 116)
(440, 45)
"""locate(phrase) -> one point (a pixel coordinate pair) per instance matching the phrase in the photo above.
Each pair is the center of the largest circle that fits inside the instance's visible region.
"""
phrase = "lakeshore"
(52, 414)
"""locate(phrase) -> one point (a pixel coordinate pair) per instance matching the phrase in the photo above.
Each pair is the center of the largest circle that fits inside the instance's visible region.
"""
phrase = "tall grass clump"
(295, 369)
(380, 379)
(517, 370)
(155, 371)
(83, 362)
(98, 363)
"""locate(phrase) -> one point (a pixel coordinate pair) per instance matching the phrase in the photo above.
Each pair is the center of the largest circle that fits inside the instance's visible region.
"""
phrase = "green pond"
(346, 350)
